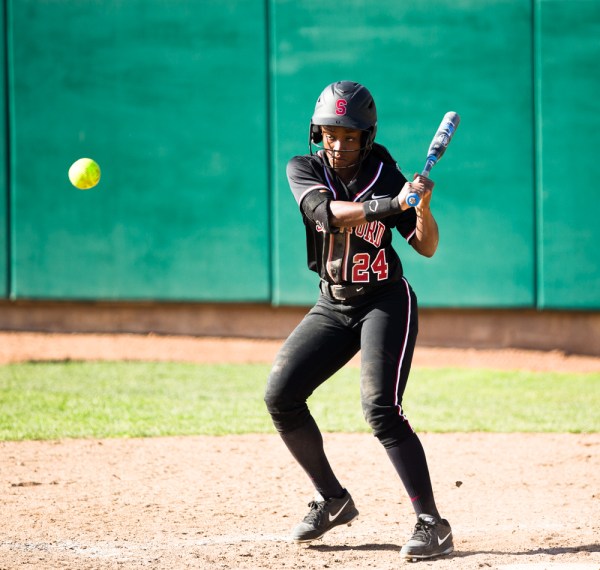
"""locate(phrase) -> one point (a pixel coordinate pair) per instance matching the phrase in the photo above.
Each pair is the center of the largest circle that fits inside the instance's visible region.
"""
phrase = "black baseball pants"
(383, 326)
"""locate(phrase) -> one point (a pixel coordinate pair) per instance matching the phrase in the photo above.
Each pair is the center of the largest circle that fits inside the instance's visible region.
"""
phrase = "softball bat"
(437, 148)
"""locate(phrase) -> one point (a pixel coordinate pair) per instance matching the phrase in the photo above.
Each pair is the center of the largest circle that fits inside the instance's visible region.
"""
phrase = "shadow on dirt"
(554, 551)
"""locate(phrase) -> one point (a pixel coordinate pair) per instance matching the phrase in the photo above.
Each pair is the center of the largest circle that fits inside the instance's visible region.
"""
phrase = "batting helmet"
(345, 104)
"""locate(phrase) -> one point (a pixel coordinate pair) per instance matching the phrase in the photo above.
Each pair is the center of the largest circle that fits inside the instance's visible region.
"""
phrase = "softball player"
(351, 196)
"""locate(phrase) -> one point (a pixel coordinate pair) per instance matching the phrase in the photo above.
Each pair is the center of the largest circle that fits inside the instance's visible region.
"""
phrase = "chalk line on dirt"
(112, 550)
(549, 566)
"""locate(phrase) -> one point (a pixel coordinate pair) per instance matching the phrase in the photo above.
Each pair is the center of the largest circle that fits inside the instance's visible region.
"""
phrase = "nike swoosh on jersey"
(333, 517)
(442, 540)
(379, 197)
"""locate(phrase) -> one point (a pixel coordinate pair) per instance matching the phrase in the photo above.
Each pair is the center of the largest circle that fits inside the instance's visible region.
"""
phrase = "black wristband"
(382, 208)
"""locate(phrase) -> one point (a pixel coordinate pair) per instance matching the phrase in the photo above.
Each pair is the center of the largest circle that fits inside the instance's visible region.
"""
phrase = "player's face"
(342, 146)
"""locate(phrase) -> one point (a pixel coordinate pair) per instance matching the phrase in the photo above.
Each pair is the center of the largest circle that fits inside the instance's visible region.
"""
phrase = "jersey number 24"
(362, 262)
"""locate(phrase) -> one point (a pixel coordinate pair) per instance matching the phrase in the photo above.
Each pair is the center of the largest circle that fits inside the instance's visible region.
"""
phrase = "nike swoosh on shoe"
(441, 541)
(333, 517)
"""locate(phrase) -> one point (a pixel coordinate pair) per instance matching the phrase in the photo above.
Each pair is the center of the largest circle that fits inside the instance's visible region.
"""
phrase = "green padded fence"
(193, 108)
(170, 98)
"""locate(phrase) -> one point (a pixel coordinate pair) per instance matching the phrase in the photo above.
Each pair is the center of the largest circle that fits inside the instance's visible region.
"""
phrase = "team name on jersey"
(371, 232)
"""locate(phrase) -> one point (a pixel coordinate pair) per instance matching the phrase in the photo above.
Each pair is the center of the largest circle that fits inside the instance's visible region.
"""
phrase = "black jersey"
(362, 254)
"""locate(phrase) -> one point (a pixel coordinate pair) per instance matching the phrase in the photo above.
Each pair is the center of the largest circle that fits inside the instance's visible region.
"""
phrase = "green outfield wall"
(192, 109)
(4, 166)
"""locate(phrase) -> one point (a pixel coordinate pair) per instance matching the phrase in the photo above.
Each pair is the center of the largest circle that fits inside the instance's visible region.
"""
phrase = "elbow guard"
(316, 208)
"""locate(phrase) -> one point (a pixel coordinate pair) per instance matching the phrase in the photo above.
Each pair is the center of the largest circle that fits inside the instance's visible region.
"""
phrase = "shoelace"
(316, 510)
(423, 531)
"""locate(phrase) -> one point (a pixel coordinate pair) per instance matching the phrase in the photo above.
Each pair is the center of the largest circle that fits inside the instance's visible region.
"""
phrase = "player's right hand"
(408, 188)
(422, 186)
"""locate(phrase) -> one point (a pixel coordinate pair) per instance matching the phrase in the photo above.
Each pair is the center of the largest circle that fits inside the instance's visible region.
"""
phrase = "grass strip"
(56, 400)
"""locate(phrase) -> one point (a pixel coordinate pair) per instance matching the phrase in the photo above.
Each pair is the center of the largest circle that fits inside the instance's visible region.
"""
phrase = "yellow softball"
(84, 173)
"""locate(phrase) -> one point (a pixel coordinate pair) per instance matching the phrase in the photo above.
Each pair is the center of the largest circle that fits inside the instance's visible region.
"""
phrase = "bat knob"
(413, 199)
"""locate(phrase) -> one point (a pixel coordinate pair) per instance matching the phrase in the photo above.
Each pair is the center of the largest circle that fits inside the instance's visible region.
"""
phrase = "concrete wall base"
(567, 331)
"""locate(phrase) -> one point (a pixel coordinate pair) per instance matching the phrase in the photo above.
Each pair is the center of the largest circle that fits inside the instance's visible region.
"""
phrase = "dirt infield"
(514, 500)
(16, 347)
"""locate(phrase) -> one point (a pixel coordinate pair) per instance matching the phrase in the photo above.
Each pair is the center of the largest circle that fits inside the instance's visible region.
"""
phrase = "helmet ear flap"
(368, 137)
(315, 134)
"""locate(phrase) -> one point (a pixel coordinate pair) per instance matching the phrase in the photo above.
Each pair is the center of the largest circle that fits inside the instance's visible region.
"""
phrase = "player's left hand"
(426, 182)
(423, 186)
(420, 185)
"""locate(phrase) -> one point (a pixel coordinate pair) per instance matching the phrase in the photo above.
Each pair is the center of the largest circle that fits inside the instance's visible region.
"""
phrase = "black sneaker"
(323, 516)
(432, 537)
